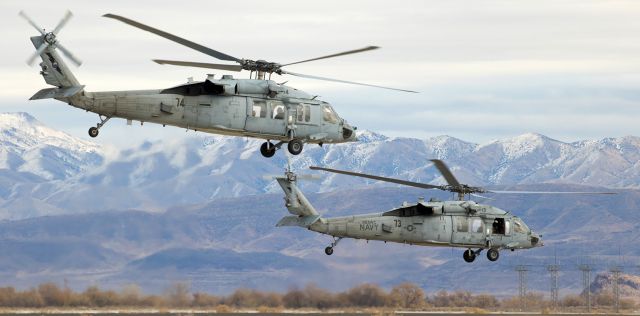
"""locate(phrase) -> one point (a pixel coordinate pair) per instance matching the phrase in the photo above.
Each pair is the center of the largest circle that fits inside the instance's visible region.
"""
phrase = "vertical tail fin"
(53, 68)
(304, 214)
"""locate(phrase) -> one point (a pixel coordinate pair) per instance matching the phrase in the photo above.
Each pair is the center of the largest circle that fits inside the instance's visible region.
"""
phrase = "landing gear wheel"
(93, 132)
(268, 149)
(295, 147)
(469, 255)
(493, 254)
(328, 250)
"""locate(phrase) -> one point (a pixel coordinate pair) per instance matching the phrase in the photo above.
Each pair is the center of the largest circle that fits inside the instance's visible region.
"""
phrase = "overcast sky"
(484, 69)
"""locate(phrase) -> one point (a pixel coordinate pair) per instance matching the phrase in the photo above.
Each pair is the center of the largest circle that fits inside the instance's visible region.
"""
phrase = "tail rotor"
(49, 39)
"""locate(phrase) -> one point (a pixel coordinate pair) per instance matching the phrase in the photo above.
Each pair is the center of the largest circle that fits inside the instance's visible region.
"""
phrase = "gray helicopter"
(460, 223)
(256, 107)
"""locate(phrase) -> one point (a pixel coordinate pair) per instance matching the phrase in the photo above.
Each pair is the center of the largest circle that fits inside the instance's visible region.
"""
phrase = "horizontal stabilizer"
(52, 93)
(302, 221)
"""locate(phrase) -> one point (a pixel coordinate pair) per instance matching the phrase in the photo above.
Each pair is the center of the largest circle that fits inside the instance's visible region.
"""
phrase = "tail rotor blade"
(63, 22)
(37, 54)
(69, 55)
(36, 26)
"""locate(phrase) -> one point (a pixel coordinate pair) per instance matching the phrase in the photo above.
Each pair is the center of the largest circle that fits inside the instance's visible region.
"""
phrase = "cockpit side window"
(518, 226)
(329, 115)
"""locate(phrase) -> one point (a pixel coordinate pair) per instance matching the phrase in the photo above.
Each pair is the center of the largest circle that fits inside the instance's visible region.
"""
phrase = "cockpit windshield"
(329, 115)
(519, 226)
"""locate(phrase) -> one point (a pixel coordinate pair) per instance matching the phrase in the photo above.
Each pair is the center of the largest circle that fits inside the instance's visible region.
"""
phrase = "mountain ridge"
(48, 172)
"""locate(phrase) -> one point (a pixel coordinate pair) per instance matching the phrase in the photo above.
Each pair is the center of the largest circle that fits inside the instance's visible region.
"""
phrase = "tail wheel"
(93, 132)
(328, 250)
(295, 146)
(469, 255)
(493, 254)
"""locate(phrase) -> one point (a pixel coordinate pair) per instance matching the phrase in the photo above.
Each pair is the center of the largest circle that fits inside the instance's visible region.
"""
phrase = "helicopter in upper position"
(459, 223)
(255, 107)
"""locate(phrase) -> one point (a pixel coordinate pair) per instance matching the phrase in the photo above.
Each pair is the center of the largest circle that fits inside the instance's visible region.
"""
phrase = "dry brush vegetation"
(402, 296)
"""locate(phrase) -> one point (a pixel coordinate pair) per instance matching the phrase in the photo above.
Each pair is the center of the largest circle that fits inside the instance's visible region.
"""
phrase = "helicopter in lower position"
(460, 223)
(255, 107)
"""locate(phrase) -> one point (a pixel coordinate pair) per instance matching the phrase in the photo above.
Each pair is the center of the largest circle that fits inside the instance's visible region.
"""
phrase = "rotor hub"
(260, 66)
(50, 38)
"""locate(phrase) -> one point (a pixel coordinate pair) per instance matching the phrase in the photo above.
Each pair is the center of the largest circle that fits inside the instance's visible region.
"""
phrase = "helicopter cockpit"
(409, 211)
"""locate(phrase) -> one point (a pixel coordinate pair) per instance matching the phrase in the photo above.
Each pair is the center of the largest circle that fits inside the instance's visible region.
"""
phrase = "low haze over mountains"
(197, 209)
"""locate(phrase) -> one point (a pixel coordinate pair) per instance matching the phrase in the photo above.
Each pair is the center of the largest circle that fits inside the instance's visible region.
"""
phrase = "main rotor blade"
(480, 196)
(171, 37)
(68, 53)
(37, 53)
(36, 26)
(446, 173)
(362, 175)
(360, 50)
(63, 22)
(200, 65)
(342, 81)
(550, 192)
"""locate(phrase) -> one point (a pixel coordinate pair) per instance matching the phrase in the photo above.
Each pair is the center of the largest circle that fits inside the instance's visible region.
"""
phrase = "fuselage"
(463, 224)
(245, 107)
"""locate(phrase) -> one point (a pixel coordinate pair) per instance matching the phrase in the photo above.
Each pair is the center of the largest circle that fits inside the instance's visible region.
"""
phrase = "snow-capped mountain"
(50, 172)
(28, 146)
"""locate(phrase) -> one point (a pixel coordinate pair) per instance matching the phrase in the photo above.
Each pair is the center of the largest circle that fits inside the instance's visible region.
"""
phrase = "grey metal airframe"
(459, 223)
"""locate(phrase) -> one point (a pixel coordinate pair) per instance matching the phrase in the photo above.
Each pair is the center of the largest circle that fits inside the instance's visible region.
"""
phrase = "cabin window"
(462, 225)
(304, 113)
(277, 110)
(329, 115)
(259, 109)
(476, 225)
(507, 227)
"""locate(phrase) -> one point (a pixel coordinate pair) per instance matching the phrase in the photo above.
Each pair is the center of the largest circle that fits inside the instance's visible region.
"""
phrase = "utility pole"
(522, 278)
(553, 271)
(615, 271)
(586, 284)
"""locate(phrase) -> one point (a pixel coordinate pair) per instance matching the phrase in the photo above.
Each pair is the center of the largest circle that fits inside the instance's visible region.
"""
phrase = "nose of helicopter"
(348, 132)
(536, 240)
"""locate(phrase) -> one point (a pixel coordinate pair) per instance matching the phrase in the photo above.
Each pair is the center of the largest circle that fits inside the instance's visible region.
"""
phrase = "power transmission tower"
(522, 278)
(615, 271)
(586, 284)
(553, 271)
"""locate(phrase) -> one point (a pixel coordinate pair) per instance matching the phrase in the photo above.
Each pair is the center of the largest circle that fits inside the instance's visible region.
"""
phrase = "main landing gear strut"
(469, 255)
(329, 249)
(93, 131)
(268, 149)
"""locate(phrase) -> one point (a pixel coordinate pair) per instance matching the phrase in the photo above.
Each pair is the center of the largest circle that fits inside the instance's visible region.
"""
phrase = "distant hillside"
(629, 285)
